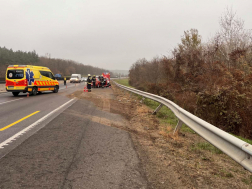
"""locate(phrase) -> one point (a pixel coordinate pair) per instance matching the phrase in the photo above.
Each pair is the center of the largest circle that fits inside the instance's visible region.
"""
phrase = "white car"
(75, 78)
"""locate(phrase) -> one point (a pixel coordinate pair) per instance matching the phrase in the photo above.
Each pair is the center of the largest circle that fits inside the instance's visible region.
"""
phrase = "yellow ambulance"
(28, 78)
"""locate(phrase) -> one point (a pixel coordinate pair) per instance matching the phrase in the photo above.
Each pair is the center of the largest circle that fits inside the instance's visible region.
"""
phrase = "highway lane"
(77, 149)
(14, 112)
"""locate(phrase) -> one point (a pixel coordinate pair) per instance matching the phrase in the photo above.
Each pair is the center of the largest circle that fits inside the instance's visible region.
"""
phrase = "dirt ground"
(2, 88)
(168, 161)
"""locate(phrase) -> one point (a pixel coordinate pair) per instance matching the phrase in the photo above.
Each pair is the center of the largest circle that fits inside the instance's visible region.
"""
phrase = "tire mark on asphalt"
(75, 153)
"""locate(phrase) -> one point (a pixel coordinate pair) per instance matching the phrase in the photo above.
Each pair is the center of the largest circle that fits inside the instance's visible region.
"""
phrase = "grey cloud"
(112, 33)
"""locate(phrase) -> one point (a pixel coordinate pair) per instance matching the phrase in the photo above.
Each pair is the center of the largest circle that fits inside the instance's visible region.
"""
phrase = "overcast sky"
(111, 34)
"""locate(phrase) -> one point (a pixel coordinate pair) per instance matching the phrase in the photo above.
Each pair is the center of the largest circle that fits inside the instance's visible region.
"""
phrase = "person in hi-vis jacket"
(64, 80)
(102, 81)
(89, 82)
(94, 81)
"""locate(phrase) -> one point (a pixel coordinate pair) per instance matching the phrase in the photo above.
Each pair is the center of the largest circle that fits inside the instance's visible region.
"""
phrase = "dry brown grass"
(170, 161)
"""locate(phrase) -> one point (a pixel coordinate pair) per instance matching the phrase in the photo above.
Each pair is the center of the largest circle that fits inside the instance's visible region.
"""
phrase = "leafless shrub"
(212, 80)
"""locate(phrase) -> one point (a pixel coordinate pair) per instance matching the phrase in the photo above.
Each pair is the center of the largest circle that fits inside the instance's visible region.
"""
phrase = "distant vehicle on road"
(106, 82)
(75, 78)
(57, 76)
(106, 77)
(97, 82)
(28, 78)
(83, 79)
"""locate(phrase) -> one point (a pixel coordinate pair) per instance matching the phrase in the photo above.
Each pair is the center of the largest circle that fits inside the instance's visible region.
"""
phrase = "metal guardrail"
(237, 149)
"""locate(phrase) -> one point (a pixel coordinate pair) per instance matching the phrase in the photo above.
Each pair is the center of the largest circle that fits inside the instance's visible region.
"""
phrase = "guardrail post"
(237, 149)
(178, 126)
(141, 101)
(157, 109)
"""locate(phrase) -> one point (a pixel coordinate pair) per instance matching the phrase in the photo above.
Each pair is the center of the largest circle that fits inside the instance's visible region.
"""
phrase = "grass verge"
(167, 117)
(206, 146)
(124, 81)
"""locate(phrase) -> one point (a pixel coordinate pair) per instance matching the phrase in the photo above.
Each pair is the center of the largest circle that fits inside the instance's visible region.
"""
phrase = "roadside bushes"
(219, 95)
(211, 80)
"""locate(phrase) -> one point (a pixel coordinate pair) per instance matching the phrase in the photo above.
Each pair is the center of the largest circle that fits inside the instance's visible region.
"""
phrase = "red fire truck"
(106, 76)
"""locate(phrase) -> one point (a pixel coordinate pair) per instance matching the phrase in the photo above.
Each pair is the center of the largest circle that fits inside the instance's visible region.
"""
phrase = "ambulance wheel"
(56, 89)
(34, 91)
(15, 93)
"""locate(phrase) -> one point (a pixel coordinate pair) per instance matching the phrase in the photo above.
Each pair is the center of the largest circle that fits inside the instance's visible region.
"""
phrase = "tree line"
(212, 80)
(68, 67)
(60, 66)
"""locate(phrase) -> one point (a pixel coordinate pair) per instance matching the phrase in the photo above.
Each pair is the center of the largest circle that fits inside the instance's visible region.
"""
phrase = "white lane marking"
(10, 101)
(66, 88)
(69, 87)
(9, 140)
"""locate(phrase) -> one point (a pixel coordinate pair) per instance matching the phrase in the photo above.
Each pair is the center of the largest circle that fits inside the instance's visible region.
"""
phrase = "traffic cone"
(85, 89)
(27, 94)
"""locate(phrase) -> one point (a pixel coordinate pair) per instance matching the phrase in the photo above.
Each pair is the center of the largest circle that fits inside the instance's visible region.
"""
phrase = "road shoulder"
(75, 150)
(170, 161)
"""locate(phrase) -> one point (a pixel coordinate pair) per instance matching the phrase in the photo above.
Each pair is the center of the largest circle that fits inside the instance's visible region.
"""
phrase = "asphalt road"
(62, 146)
(13, 109)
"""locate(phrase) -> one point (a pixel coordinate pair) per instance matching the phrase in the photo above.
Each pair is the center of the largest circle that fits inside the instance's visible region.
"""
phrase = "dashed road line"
(8, 126)
(66, 88)
(70, 86)
(9, 140)
(10, 101)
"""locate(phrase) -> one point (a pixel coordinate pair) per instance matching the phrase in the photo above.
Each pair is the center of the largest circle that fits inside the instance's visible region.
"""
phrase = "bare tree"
(232, 36)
